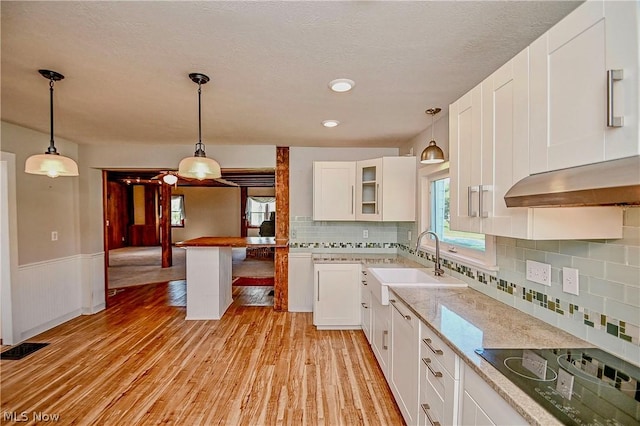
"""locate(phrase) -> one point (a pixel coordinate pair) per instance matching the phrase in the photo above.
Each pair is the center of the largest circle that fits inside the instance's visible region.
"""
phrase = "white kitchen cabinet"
(381, 334)
(465, 152)
(386, 189)
(365, 306)
(336, 302)
(405, 333)
(481, 405)
(489, 148)
(569, 87)
(505, 136)
(439, 380)
(334, 190)
(380, 328)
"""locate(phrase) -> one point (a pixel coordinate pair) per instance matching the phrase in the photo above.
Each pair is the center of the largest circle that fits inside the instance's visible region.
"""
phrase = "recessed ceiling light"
(341, 85)
(330, 123)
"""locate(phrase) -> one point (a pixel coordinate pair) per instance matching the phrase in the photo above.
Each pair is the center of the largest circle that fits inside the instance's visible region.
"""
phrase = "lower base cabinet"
(439, 380)
(405, 332)
(481, 405)
(336, 301)
(429, 381)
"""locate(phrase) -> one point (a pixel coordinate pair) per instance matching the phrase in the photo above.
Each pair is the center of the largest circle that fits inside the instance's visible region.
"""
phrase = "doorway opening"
(133, 209)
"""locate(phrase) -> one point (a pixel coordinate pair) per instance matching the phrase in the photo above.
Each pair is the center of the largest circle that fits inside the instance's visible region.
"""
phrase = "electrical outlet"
(54, 235)
(570, 281)
(534, 363)
(365, 233)
(539, 272)
(294, 234)
(409, 235)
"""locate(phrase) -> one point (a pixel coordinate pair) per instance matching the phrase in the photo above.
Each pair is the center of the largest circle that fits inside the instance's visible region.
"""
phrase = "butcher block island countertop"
(233, 242)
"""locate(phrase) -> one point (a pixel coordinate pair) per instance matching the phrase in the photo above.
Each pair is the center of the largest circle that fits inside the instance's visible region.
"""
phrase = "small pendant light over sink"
(199, 166)
(51, 163)
(432, 154)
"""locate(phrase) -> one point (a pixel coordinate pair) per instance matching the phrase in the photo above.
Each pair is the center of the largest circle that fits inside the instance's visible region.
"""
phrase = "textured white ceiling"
(127, 63)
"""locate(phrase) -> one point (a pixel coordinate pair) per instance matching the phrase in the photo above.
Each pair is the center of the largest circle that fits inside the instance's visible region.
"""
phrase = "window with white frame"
(259, 209)
(436, 214)
(177, 211)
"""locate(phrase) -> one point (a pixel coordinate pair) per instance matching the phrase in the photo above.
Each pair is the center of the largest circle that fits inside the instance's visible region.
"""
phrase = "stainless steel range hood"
(614, 182)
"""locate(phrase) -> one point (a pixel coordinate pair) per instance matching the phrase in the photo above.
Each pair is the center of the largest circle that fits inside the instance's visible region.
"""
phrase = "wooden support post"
(281, 262)
(165, 225)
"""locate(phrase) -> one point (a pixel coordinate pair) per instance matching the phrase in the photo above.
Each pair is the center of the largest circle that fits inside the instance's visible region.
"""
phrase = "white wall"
(209, 211)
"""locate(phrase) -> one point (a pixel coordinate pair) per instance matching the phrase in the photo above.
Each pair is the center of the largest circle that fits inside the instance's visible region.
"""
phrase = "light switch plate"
(365, 233)
(570, 281)
(564, 386)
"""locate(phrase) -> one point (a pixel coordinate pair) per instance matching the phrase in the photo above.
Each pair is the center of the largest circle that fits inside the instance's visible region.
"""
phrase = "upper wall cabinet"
(334, 190)
(386, 189)
(584, 87)
(382, 189)
(488, 144)
(491, 149)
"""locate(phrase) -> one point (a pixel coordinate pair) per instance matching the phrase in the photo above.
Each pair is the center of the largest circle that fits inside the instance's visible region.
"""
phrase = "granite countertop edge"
(528, 408)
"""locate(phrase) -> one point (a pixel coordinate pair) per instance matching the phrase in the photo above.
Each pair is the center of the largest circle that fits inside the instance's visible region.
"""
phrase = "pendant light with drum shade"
(199, 166)
(51, 163)
(432, 154)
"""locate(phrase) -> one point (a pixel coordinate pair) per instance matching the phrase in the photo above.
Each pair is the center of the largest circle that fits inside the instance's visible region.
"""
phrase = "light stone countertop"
(467, 320)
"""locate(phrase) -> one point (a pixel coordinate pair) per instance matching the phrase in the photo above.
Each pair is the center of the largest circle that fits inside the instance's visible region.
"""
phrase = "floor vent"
(22, 350)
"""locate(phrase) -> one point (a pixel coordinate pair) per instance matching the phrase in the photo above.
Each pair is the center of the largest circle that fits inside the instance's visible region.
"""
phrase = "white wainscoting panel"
(48, 294)
(92, 279)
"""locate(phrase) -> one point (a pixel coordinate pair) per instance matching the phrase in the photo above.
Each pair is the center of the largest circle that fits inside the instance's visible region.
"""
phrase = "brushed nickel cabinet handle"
(385, 333)
(364, 305)
(612, 120)
(353, 203)
(364, 282)
(428, 342)
(426, 408)
(407, 317)
(427, 362)
(481, 192)
(470, 212)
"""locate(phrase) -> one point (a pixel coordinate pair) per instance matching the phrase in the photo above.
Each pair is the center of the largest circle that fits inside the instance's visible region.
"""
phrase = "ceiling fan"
(171, 177)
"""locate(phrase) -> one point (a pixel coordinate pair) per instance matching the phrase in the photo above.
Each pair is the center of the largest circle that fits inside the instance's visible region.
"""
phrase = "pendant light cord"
(52, 148)
(199, 146)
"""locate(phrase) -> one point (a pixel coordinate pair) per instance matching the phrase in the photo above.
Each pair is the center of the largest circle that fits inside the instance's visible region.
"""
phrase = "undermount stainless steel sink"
(415, 277)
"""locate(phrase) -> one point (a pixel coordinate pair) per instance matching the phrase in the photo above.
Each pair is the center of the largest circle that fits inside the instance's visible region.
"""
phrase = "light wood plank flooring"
(140, 362)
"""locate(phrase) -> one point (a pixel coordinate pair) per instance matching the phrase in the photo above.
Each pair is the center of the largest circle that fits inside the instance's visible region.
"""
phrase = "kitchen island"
(209, 273)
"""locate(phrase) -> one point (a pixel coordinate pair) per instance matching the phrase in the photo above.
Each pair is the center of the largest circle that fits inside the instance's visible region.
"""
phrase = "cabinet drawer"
(438, 393)
(432, 347)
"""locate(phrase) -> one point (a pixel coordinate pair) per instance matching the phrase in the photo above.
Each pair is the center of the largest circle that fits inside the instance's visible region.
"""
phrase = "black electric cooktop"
(578, 386)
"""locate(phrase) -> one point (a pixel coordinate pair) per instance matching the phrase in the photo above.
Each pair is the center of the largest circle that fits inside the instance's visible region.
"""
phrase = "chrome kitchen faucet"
(438, 269)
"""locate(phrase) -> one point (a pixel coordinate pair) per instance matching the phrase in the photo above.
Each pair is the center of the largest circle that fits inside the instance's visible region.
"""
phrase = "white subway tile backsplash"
(622, 311)
(607, 252)
(589, 267)
(575, 248)
(558, 261)
(622, 273)
(548, 246)
(632, 295)
(633, 256)
(599, 287)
